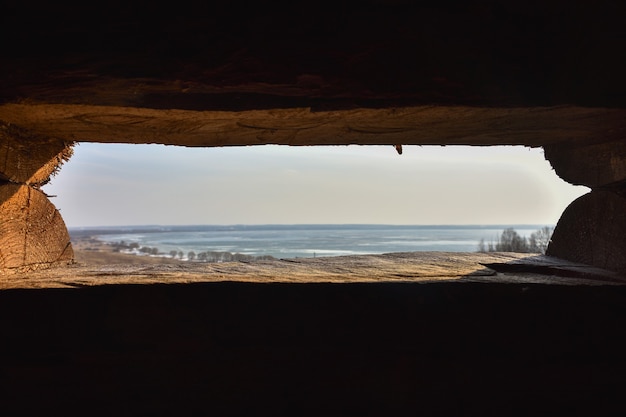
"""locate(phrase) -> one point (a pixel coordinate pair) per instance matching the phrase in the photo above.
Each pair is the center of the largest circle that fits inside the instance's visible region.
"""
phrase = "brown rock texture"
(32, 232)
(591, 164)
(592, 230)
(28, 158)
(417, 125)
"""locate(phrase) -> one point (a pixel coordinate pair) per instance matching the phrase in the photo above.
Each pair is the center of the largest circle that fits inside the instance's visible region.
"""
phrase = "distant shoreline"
(98, 230)
(176, 244)
(89, 250)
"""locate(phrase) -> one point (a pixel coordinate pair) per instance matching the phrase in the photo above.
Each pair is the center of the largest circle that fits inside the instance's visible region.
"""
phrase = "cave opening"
(289, 202)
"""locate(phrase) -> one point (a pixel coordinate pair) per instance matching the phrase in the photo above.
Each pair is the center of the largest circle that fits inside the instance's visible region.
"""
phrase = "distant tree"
(242, 257)
(173, 253)
(191, 255)
(154, 251)
(539, 240)
(181, 254)
(511, 241)
(134, 245)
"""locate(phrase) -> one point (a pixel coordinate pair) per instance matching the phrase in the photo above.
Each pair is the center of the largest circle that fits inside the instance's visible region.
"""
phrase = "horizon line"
(307, 224)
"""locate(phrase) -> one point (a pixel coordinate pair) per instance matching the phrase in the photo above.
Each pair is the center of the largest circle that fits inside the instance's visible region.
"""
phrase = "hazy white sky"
(123, 184)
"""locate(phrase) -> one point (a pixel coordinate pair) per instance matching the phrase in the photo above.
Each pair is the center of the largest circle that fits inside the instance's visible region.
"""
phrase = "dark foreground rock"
(369, 349)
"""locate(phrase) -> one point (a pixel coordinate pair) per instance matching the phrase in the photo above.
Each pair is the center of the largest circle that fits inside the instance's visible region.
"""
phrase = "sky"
(128, 184)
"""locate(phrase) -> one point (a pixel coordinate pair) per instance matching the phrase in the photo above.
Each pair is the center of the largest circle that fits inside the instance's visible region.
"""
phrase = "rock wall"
(314, 349)
(202, 73)
(32, 232)
(545, 74)
(592, 229)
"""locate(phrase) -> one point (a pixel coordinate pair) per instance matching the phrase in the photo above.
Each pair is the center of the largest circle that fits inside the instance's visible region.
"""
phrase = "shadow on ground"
(314, 349)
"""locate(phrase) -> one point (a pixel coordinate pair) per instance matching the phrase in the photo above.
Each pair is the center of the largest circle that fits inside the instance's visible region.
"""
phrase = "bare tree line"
(215, 256)
(511, 241)
(208, 256)
(508, 241)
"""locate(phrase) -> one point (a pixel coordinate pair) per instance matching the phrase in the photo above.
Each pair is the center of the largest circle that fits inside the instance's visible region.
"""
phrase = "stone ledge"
(280, 349)
(411, 267)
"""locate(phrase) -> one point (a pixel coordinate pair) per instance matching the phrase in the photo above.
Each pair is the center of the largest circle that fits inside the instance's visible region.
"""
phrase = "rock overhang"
(380, 72)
